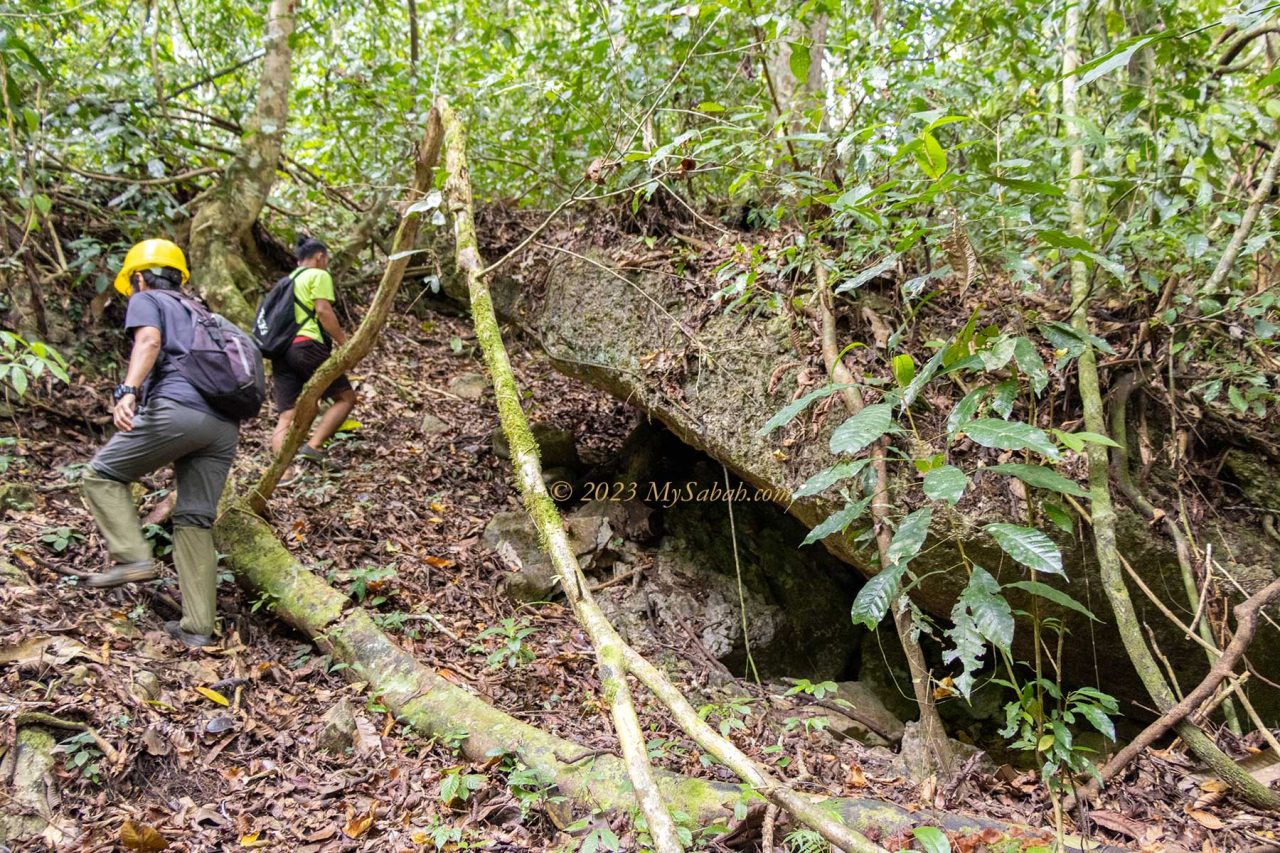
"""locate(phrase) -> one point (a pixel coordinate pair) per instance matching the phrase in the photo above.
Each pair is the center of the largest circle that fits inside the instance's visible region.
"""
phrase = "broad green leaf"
(990, 610)
(1098, 719)
(1058, 239)
(1057, 596)
(876, 596)
(799, 61)
(862, 277)
(1063, 336)
(945, 484)
(838, 520)
(788, 412)
(709, 107)
(1100, 66)
(1031, 364)
(909, 538)
(922, 377)
(998, 354)
(1060, 517)
(930, 156)
(861, 430)
(18, 379)
(1041, 477)
(1030, 547)
(932, 839)
(964, 411)
(904, 369)
(945, 120)
(1003, 396)
(981, 615)
(827, 478)
(1010, 435)
(1077, 440)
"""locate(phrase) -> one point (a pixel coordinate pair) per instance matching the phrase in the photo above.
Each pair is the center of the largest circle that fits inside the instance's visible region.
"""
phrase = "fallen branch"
(39, 718)
(1246, 614)
(542, 510)
(347, 356)
(431, 705)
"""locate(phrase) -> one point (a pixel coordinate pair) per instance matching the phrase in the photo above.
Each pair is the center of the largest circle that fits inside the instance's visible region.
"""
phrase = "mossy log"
(26, 774)
(423, 699)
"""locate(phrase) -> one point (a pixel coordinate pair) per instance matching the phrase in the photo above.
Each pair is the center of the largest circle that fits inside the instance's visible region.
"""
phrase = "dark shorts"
(298, 365)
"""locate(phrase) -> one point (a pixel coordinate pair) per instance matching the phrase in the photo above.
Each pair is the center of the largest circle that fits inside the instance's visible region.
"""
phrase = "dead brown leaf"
(358, 825)
(1206, 819)
(146, 838)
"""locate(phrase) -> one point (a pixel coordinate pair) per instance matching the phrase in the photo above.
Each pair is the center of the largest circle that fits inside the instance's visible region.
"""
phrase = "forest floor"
(216, 749)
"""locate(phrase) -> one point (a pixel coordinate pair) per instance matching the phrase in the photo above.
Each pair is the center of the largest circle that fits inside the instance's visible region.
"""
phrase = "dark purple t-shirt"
(165, 312)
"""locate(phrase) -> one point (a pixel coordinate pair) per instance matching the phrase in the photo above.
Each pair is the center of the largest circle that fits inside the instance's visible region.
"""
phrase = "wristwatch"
(123, 390)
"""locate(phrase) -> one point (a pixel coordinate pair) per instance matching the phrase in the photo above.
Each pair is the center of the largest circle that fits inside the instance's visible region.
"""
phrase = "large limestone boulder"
(713, 378)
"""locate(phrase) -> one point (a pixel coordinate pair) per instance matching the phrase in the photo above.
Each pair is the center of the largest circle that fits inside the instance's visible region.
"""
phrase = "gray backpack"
(222, 362)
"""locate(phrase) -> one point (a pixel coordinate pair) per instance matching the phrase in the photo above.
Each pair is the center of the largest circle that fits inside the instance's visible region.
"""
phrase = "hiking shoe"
(318, 457)
(123, 573)
(307, 453)
(191, 641)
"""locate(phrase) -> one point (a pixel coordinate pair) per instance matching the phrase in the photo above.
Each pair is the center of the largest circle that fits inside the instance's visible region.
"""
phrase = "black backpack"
(275, 325)
(223, 363)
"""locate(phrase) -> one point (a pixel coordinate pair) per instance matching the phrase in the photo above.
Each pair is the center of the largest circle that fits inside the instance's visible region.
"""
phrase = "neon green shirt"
(308, 286)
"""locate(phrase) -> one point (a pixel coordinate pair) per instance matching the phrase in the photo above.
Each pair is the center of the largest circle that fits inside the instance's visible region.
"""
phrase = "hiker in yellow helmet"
(147, 255)
(162, 419)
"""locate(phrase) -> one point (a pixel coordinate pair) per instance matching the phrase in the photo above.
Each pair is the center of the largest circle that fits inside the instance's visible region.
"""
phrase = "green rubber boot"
(112, 506)
(197, 564)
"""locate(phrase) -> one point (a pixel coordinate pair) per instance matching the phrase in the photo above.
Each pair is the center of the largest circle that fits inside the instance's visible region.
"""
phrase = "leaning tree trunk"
(615, 656)
(349, 355)
(221, 227)
(1102, 508)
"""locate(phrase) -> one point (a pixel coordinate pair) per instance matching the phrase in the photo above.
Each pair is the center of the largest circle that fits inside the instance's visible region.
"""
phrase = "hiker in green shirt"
(319, 329)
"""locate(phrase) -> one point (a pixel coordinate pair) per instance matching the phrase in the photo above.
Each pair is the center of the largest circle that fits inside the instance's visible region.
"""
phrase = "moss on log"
(419, 696)
(26, 773)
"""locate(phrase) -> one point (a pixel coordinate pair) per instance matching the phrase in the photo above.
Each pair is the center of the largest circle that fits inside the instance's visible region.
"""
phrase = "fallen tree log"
(528, 471)
(420, 697)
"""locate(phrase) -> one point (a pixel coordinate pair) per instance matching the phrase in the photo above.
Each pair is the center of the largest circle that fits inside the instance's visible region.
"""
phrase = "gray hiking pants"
(201, 448)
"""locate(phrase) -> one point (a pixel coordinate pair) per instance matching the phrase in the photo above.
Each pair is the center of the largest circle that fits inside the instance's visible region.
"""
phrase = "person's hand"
(122, 414)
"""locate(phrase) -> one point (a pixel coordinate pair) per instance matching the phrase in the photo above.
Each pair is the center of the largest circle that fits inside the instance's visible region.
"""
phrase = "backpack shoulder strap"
(309, 311)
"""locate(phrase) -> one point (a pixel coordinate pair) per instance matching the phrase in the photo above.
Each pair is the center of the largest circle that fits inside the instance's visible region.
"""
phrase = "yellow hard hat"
(148, 254)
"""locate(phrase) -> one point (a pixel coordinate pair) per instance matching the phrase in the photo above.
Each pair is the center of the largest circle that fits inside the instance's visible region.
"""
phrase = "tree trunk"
(1100, 500)
(221, 226)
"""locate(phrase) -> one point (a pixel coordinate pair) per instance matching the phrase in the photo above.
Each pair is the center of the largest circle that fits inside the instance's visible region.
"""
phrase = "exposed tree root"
(1246, 623)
